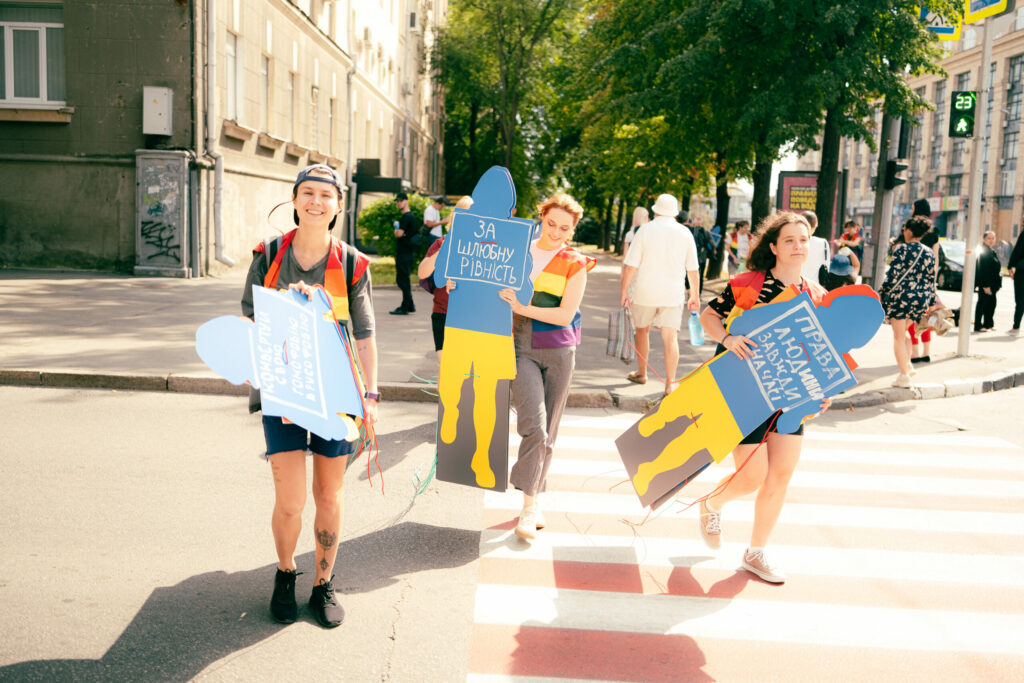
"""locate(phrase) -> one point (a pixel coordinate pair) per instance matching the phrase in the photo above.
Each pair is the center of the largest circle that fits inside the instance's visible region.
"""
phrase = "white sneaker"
(902, 381)
(756, 563)
(527, 526)
(1013, 331)
(541, 522)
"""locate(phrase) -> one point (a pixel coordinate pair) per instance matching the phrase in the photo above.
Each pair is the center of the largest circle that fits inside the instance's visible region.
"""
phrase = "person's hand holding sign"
(508, 295)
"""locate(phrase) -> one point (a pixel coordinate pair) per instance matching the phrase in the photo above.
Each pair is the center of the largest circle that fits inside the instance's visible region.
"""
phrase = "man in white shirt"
(658, 258)
(432, 219)
(818, 252)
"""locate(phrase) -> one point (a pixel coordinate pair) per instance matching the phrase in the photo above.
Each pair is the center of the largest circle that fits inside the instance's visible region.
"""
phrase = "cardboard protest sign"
(486, 251)
(801, 358)
(296, 354)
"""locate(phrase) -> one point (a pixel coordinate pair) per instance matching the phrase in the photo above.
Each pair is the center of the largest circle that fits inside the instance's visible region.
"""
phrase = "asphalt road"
(135, 529)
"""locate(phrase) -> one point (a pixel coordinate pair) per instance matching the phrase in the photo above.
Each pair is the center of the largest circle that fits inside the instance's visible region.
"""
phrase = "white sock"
(710, 507)
(755, 549)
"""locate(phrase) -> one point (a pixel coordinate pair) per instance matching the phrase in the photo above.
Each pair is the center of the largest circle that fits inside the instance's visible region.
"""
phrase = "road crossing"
(904, 556)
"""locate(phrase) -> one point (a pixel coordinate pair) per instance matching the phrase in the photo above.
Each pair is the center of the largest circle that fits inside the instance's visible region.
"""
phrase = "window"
(963, 81)
(955, 182)
(958, 154)
(936, 154)
(1006, 180)
(939, 116)
(291, 106)
(1010, 145)
(265, 94)
(1016, 69)
(231, 79)
(1013, 104)
(32, 55)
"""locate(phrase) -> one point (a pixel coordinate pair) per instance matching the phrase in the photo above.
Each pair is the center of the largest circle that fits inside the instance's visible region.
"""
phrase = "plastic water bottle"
(696, 331)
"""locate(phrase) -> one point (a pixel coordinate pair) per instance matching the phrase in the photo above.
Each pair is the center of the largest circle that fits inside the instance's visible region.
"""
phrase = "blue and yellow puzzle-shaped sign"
(296, 354)
(485, 251)
(801, 358)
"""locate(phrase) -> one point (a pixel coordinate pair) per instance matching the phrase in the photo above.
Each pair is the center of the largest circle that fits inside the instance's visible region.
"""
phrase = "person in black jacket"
(407, 230)
(1016, 268)
(987, 283)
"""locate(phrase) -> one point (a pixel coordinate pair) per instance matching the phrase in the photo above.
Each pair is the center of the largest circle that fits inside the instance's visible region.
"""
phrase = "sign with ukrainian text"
(296, 354)
(801, 358)
(488, 249)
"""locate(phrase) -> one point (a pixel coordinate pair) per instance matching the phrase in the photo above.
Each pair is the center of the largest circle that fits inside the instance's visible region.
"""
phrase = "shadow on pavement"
(182, 629)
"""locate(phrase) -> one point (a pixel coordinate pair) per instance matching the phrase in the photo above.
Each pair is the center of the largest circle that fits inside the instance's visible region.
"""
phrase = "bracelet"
(724, 338)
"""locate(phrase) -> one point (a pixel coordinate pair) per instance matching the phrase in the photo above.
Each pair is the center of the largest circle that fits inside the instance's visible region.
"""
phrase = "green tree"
(495, 59)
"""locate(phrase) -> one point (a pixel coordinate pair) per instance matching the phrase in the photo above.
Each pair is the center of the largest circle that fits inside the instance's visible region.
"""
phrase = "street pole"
(972, 236)
(882, 218)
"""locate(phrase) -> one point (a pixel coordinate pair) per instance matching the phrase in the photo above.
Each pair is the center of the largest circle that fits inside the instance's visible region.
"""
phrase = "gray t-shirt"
(360, 295)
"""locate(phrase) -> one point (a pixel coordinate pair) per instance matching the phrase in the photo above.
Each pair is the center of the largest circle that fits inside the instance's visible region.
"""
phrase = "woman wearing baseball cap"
(305, 258)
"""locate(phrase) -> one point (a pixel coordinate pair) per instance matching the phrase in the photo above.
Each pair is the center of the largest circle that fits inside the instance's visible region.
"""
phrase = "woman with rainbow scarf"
(306, 258)
(546, 334)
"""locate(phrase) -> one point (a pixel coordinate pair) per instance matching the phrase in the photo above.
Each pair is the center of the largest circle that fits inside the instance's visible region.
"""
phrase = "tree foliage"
(675, 96)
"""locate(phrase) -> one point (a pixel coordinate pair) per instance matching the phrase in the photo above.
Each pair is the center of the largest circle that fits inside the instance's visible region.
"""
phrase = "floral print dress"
(909, 287)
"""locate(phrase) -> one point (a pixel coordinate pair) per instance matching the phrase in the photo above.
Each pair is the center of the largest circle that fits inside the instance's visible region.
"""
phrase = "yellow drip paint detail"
(487, 358)
(715, 428)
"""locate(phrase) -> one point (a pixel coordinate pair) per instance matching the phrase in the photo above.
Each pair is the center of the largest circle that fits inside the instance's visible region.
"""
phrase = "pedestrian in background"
(776, 263)
(908, 290)
(663, 256)
(640, 216)
(406, 229)
(1015, 266)
(815, 269)
(739, 247)
(852, 238)
(433, 221)
(702, 238)
(425, 271)
(309, 257)
(987, 283)
(546, 333)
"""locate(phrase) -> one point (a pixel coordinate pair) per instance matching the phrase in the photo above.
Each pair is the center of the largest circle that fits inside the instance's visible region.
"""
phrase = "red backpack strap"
(275, 253)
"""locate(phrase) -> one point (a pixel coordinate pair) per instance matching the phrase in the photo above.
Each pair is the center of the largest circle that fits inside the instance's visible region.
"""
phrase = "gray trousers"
(539, 393)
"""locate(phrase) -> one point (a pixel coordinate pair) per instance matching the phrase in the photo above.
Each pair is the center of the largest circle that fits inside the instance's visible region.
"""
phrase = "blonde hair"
(640, 216)
(464, 202)
(564, 202)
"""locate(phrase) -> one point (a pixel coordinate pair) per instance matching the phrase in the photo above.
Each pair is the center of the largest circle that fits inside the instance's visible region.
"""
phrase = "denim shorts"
(282, 437)
(758, 435)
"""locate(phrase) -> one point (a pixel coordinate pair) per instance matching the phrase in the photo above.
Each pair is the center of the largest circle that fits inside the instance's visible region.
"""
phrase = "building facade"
(940, 167)
(159, 135)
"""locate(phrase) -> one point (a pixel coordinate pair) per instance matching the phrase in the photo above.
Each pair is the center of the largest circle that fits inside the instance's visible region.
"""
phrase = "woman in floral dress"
(908, 290)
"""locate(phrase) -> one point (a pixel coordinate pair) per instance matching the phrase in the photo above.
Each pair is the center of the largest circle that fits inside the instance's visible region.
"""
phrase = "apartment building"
(155, 136)
(940, 167)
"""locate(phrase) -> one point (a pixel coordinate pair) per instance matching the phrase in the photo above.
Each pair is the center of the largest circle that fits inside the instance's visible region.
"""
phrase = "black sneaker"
(282, 604)
(399, 311)
(325, 608)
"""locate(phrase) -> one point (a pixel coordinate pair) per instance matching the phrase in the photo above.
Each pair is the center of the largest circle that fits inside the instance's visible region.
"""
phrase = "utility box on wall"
(162, 212)
(157, 105)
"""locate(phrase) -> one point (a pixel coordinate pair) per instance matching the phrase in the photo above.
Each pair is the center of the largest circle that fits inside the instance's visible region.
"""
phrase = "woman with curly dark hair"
(774, 266)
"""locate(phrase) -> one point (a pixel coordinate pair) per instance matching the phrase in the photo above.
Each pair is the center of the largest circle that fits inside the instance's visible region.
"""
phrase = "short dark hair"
(918, 225)
(401, 196)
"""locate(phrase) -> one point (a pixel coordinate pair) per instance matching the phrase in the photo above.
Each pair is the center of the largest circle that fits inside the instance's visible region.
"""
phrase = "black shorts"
(437, 323)
(756, 436)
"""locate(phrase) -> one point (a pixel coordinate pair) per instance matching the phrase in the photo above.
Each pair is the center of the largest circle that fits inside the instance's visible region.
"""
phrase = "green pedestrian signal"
(961, 113)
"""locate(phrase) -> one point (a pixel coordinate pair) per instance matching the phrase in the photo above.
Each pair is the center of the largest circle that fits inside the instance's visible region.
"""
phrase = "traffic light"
(961, 113)
(892, 170)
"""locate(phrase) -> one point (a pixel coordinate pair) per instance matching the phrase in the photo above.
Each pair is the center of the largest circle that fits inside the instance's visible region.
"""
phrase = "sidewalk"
(118, 332)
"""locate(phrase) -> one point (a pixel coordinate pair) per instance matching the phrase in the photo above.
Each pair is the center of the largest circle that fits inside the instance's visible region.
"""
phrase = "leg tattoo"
(325, 538)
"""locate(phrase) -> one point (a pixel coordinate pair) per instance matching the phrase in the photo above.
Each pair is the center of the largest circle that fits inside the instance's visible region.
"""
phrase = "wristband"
(370, 394)
(724, 338)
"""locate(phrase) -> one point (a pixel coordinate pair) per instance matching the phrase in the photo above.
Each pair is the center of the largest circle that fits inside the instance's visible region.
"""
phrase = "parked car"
(951, 264)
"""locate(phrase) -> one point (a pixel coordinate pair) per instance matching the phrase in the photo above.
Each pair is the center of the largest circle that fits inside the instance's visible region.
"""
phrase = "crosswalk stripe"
(855, 626)
(996, 488)
(793, 513)
(817, 561)
(905, 555)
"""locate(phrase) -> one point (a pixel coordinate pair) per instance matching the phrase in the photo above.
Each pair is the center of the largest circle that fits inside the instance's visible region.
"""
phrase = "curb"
(427, 393)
